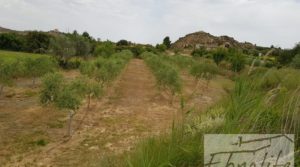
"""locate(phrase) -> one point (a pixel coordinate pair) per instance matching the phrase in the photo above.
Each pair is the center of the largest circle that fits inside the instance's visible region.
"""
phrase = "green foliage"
(62, 47)
(174, 150)
(137, 50)
(296, 61)
(68, 98)
(167, 42)
(39, 66)
(237, 60)
(104, 70)
(74, 63)
(82, 46)
(37, 42)
(166, 75)
(41, 142)
(200, 52)
(51, 87)
(204, 70)
(94, 89)
(181, 61)
(161, 47)
(12, 41)
(87, 68)
(123, 42)
(87, 36)
(219, 55)
(105, 49)
(6, 74)
(79, 86)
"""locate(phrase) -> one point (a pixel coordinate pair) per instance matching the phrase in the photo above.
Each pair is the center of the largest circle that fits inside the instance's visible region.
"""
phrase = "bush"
(237, 60)
(105, 49)
(200, 52)
(87, 68)
(12, 41)
(62, 47)
(82, 46)
(137, 50)
(36, 67)
(219, 55)
(296, 61)
(73, 63)
(37, 42)
(161, 47)
(51, 87)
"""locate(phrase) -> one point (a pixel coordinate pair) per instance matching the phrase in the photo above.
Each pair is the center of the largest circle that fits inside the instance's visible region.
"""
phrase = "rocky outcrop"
(203, 39)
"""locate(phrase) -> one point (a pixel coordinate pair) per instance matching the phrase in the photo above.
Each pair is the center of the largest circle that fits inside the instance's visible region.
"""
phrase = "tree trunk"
(70, 123)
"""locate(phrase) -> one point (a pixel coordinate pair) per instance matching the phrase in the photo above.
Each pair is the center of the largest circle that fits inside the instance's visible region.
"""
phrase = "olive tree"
(70, 101)
(37, 67)
(94, 90)
(51, 87)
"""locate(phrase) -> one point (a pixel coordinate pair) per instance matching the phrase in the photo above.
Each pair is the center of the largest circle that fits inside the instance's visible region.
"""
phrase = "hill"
(5, 30)
(204, 39)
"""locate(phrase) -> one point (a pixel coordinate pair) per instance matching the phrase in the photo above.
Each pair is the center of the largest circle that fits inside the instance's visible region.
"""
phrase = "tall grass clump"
(205, 71)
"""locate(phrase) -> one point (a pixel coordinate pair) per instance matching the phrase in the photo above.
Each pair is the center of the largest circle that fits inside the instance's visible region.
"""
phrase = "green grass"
(11, 56)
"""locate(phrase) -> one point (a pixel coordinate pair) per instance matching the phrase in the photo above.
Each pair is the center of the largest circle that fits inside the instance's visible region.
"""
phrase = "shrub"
(123, 42)
(237, 60)
(37, 42)
(296, 61)
(87, 68)
(82, 46)
(36, 67)
(161, 47)
(51, 87)
(200, 52)
(73, 63)
(62, 47)
(219, 55)
(12, 41)
(137, 50)
(105, 49)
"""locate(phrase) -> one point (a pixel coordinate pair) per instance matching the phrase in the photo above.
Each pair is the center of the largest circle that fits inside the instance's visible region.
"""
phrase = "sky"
(262, 22)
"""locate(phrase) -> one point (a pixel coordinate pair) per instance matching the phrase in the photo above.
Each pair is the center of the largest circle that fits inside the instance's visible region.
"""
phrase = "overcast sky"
(263, 22)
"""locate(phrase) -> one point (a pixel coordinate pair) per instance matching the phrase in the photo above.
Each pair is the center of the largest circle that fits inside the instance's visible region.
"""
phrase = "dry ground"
(132, 109)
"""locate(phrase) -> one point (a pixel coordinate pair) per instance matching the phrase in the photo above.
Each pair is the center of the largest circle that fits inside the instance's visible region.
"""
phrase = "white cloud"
(264, 22)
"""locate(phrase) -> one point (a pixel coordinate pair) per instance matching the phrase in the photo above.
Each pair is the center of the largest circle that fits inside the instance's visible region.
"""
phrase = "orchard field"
(137, 106)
